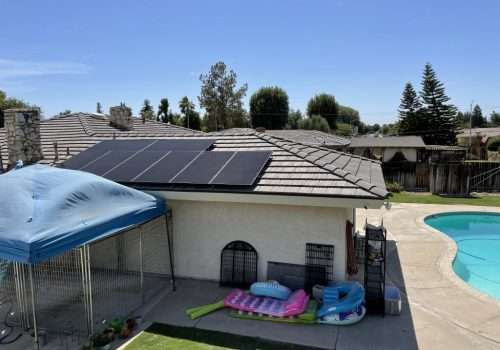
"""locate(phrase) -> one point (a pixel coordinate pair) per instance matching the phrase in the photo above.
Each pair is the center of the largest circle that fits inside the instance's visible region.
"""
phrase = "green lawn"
(168, 337)
(426, 198)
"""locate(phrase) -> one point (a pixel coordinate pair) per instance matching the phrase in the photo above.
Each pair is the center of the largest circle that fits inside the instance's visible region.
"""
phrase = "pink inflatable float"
(295, 305)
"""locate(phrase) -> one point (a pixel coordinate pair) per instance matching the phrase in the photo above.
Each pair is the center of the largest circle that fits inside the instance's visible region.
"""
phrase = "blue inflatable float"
(270, 289)
(343, 303)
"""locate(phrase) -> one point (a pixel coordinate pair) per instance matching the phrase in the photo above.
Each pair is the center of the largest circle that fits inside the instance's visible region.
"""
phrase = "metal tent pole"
(172, 274)
(141, 263)
(35, 325)
(84, 287)
(89, 276)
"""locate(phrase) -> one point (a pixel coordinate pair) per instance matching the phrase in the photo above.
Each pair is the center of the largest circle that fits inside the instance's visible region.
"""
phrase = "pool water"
(478, 240)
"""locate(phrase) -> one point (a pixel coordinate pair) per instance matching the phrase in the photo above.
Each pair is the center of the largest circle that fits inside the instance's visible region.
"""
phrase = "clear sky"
(70, 54)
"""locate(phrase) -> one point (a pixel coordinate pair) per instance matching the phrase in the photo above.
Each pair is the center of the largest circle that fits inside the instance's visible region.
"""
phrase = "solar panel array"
(170, 162)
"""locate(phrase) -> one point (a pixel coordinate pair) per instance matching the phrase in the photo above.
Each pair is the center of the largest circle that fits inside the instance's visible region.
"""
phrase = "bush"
(343, 129)
(325, 106)
(394, 187)
(316, 122)
(494, 144)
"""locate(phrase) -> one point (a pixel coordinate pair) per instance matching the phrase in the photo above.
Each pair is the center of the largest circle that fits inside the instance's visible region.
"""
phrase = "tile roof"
(310, 137)
(444, 148)
(388, 141)
(295, 168)
(490, 132)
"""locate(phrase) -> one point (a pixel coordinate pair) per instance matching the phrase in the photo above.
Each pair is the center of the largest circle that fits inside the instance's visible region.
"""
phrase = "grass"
(168, 337)
(426, 198)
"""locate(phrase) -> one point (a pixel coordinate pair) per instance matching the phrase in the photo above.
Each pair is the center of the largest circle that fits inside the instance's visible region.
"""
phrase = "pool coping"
(447, 257)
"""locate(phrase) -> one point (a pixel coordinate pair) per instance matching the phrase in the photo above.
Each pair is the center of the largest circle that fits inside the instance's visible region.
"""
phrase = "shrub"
(494, 144)
(394, 187)
(316, 122)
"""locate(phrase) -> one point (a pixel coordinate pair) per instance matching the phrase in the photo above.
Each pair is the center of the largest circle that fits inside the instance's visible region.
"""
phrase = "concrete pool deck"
(446, 312)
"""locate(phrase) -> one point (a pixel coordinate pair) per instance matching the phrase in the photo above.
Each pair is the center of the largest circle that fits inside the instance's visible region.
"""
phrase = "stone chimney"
(121, 117)
(22, 127)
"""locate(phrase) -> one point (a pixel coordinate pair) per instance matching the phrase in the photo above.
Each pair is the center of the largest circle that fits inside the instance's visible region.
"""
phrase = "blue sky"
(70, 54)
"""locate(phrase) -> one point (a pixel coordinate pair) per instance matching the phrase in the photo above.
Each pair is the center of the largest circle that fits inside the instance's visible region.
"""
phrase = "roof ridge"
(349, 177)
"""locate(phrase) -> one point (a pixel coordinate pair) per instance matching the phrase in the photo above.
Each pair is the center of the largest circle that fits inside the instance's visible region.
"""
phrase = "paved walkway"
(446, 312)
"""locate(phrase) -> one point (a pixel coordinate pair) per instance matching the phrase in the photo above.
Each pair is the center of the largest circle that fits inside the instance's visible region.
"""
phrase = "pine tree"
(439, 114)
(477, 119)
(410, 121)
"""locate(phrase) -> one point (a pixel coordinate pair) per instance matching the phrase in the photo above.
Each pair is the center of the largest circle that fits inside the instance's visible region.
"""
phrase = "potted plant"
(102, 341)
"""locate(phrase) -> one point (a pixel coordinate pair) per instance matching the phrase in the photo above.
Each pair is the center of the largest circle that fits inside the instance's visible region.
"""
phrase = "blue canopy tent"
(46, 211)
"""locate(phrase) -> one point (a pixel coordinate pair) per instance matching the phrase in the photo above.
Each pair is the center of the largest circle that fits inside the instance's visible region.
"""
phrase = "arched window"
(238, 264)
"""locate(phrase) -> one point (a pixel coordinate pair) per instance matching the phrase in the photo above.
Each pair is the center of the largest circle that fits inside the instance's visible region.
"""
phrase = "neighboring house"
(442, 153)
(477, 140)
(304, 194)
(404, 149)
(390, 148)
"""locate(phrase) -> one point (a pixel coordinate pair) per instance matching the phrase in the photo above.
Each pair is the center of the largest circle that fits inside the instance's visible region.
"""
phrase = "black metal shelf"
(375, 266)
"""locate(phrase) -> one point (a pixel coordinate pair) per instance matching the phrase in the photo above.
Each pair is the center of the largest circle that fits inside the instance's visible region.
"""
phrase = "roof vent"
(121, 117)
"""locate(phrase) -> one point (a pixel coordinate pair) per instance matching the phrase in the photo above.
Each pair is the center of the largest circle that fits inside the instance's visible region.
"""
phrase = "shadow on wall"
(384, 333)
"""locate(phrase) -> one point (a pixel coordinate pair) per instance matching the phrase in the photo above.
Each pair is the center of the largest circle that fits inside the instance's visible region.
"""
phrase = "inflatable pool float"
(344, 318)
(243, 301)
(270, 289)
(344, 303)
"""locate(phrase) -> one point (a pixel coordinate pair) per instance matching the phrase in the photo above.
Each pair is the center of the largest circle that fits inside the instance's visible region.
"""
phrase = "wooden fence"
(463, 178)
(445, 178)
(412, 176)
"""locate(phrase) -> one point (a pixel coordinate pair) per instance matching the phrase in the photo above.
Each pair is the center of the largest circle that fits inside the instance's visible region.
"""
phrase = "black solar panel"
(122, 145)
(84, 158)
(182, 145)
(206, 166)
(138, 163)
(170, 162)
(107, 162)
(93, 153)
(163, 171)
(243, 169)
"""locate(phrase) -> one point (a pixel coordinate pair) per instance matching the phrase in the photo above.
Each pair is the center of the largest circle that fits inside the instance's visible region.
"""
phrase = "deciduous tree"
(325, 106)
(221, 98)
(294, 118)
(190, 118)
(495, 118)
(269, 108)
(7, 103)
(147, 112)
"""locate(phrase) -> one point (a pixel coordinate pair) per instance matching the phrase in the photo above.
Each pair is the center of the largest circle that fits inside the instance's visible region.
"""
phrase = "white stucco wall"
(278, 233)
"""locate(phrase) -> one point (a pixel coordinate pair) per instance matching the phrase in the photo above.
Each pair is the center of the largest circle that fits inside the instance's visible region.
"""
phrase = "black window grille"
(319, 264)
(291, 275)
(238, 265)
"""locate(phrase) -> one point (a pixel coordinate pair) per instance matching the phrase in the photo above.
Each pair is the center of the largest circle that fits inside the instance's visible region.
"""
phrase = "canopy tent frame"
(26, 289)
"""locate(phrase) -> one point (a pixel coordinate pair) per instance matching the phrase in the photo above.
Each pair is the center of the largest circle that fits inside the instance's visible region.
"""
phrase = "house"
(477, 140)
(304, 194)
(390, 148)
(405, 149)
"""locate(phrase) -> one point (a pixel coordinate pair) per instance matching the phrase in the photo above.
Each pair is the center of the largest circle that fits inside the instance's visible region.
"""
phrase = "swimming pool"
(478, 240)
